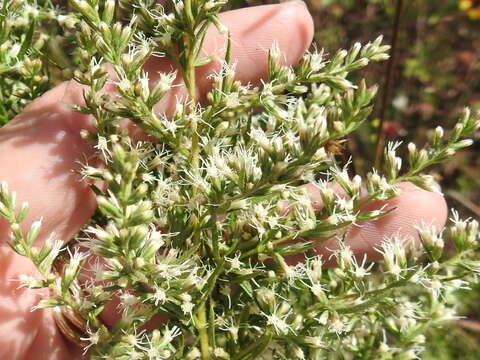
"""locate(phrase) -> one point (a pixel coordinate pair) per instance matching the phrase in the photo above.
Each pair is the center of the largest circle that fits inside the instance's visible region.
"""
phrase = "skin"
(40, 148)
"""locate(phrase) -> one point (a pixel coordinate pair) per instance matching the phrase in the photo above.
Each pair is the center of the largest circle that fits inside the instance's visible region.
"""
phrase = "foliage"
(199, 224)
(23, 76)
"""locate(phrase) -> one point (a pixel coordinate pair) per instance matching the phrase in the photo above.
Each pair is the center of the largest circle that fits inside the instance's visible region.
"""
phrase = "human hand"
(40, 148)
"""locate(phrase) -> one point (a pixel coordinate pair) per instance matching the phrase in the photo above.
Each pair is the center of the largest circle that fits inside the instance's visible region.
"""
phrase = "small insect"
(335, 147)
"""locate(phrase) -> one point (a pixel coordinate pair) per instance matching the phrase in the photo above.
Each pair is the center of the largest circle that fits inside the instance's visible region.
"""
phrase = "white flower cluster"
(200, 227)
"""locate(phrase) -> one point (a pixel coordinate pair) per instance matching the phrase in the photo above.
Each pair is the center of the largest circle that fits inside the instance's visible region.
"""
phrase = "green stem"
(202, 331)
(192, 93)
(377, 295)
(189, 14)
(189, 77)
(254, 347)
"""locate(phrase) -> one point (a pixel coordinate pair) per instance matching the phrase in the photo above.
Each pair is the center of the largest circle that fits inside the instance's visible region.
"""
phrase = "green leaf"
(202, 61)
(27, 42)
(247, 288)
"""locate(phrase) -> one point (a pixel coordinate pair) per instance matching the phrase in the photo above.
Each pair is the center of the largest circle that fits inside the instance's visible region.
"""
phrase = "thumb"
(39, 151)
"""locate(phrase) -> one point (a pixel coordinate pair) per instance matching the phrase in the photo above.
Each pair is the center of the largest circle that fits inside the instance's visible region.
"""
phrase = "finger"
(39, 149)
(26, 332)
(253, 31)
(112, 312)
(412, 207)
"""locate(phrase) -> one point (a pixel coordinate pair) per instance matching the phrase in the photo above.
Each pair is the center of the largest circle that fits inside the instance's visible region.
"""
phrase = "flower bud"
(265, 297)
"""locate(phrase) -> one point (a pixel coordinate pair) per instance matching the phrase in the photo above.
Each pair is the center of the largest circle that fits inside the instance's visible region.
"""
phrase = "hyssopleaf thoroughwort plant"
(198, 224)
